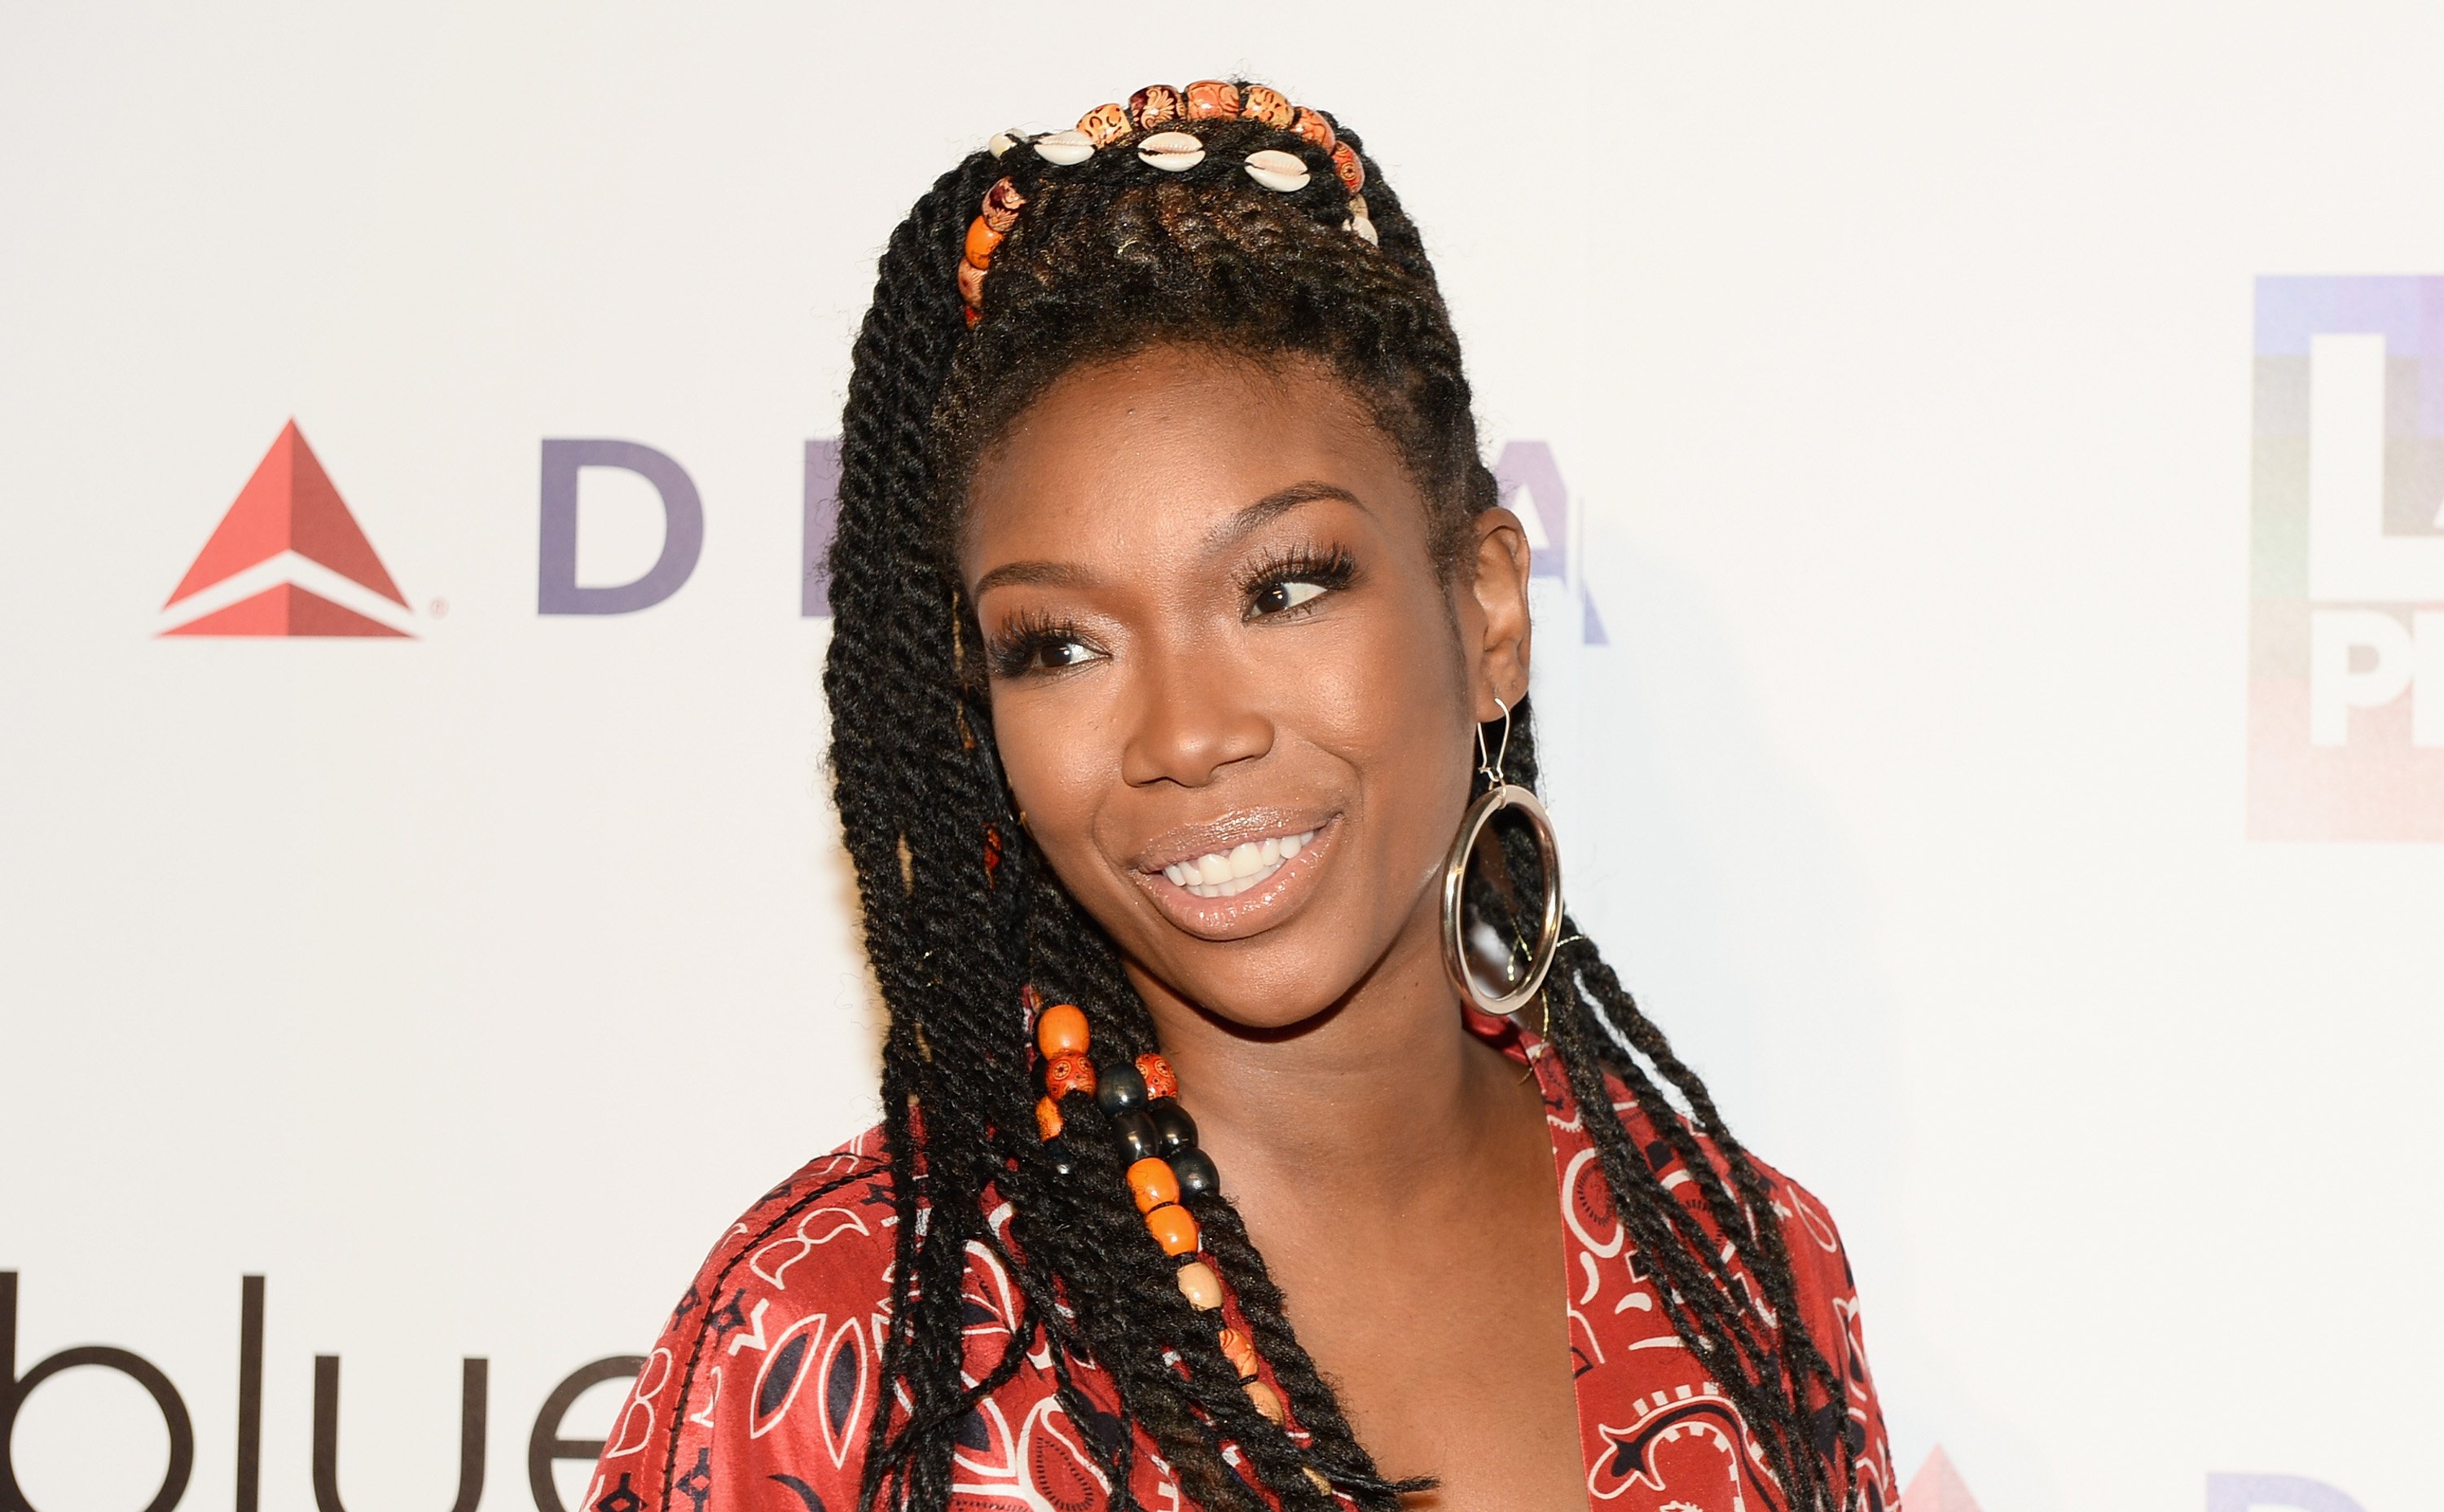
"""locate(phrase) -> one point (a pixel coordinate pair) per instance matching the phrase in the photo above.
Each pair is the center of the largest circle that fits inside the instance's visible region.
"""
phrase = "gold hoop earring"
(1500, 795)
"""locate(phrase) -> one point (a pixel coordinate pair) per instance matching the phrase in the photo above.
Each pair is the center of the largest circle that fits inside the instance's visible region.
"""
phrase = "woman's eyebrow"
(1272, 507)
(1055, 574)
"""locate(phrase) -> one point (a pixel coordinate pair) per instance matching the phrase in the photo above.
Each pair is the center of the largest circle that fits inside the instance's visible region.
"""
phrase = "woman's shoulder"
(767, 1367)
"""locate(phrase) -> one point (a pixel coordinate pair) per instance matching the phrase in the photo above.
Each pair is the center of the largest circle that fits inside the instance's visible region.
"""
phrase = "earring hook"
(1492, 770)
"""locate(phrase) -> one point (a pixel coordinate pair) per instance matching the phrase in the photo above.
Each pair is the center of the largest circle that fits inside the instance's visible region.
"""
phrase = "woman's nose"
(1190, 723)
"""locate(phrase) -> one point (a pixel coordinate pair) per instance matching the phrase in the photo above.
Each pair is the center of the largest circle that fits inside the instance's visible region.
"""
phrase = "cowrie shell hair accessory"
(1174, 151)
(1066, 149)
(1003, 141)
(1275, 169)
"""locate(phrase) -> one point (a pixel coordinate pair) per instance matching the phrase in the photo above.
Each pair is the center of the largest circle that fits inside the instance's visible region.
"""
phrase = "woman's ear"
(1499, 585)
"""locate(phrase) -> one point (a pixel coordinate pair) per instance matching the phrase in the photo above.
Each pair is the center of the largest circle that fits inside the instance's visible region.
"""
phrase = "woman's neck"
(1385, 1093)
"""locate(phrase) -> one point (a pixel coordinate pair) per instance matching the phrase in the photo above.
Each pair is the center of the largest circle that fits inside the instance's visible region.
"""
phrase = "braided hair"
(961, 913)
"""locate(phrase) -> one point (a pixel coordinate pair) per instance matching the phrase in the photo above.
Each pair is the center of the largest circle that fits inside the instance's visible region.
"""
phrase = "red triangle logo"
(289, 504)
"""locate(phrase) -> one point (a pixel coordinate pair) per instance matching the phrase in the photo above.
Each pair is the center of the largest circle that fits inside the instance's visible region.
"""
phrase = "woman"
(1177, 628)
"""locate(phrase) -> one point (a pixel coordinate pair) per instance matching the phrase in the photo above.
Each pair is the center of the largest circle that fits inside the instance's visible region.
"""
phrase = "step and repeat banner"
(1986, 471)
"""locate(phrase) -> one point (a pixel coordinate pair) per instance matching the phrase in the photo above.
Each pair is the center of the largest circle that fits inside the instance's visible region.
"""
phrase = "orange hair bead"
(1267, 105)
(982, 239)
(1065, 1073)
(1062, 1030)
(1214, 98)
(1315, 128)
(1105, 124)
(1047, 1117)
(1345, 163)
(1152, 1183)
(972, 285)
(1172, 1229)
(1159, 1079)
(1241, 1353)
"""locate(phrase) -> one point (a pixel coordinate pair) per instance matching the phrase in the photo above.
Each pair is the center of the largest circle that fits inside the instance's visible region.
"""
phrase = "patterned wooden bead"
(982, 239)
(1352, 172)
(1172, 1229)
(1152, 1184)
(1065, 1073)
(1314, 127)
(1267, 105)
(1159, 1079)
(1155, 106)
(1266, 1401)
(1002, 204)
(1105, 124)
(1213, 98)
(1047, 1117)
(972, 285)
(1198, 1284)
(1241, 1353)
(1062, 1030)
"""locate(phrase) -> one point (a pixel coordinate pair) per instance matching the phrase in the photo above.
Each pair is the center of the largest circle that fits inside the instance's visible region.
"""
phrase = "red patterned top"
(759, 1394)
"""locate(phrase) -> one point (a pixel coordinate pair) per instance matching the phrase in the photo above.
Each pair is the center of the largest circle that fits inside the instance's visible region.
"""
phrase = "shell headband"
(1160, 110)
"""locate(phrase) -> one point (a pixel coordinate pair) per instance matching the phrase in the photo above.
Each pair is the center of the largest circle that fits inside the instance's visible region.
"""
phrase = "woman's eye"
(1051, 656)
(1288, 593)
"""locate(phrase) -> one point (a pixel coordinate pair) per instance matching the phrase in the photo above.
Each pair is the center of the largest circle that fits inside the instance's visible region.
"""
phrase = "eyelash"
(1330, 568)
(1015, 651)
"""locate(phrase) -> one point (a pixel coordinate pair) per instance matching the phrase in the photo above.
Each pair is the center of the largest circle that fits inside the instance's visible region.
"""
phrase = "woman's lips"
(1257, 882)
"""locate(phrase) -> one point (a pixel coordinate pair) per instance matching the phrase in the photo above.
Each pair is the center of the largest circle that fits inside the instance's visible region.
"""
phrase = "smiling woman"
(1177, 625)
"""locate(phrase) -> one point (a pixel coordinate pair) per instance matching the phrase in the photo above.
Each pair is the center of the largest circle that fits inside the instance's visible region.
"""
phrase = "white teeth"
(1218, 874)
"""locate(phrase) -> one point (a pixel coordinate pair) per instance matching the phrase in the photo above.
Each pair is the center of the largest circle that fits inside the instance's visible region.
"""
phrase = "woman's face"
(1234, 694)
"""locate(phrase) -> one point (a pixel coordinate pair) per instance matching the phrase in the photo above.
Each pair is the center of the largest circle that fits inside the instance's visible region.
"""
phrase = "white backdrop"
(1898, 363)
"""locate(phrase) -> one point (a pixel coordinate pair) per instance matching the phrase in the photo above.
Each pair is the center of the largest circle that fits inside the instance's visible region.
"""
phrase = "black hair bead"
(1120, 1089)
(1135, 1132)
(1065, 1160)
(1193, 1170)
(1172, 1122)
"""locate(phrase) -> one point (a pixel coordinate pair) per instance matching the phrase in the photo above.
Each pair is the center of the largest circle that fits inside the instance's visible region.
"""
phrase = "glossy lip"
(1261, 907)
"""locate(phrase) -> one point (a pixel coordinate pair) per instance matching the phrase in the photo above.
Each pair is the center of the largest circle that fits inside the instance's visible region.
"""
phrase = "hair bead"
(1160, 1081)
(1002, 204)
(1256, 103)
(1267, 1401)
(972, 285)
(1241, 1353)
(1048, 1118)
(1152, 1185)
(1172, 1229)
(1122, 1089)
(1061, 1030)
(1213, 98)
(1065, 1073)
(1198, 1284)
(1316, 127)
(1352, 172)
(982, 239)
(1196, 1172)
(1106, 124)
(1155, 106)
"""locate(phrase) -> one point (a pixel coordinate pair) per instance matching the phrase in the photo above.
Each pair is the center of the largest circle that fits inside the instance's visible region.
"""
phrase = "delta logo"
(288, 560)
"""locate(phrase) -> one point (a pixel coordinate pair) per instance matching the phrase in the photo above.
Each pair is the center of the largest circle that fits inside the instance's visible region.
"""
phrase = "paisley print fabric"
(759, 1394)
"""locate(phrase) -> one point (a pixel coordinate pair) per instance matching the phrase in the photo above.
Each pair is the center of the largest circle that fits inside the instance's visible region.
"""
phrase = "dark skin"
(1210, 594)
